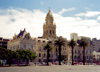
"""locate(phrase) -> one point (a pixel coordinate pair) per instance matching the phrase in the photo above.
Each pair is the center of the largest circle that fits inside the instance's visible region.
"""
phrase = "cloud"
(42, 3)
(87, 8)
(12, 20)
(65, 10)
(89, 14)
(98, 18)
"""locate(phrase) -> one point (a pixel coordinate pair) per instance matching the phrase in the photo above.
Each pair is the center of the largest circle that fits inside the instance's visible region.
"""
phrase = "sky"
(71, 16)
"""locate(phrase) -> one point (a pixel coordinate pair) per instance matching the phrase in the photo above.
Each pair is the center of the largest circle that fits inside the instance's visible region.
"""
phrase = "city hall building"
(24, 41)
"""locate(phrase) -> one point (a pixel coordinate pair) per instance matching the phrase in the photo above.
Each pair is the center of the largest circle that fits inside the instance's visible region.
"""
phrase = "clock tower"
(49, 27)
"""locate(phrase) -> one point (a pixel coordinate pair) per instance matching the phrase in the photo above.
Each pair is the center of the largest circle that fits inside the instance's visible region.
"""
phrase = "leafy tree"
(83, 44)
(6, 54)
(18, 55)
(3, 54)
(25, 54)
(60, 42)
(71, 44)
(48, 47)
(28, 55)
(10, 55)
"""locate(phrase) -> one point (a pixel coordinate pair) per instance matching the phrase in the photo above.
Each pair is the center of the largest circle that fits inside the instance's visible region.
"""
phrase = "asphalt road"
(53, 68)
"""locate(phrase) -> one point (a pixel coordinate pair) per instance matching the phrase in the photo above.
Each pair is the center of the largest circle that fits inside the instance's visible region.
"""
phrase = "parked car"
(80, 63)
(62, 63)
(75, 63)
(97, 63)
(68, 63)
(50, 63)
(43, 63)
(37, 63)
(93, 63)
(31, 63)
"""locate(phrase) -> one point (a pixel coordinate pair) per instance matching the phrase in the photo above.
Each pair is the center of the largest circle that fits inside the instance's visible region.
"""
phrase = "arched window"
(53, 32)
(75, 51)
(39, 54)
(44, 55)
(78, 57)
(50, 31)
(75, 57)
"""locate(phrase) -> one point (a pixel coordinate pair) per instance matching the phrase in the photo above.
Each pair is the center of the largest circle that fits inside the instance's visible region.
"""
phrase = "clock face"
(50, 20)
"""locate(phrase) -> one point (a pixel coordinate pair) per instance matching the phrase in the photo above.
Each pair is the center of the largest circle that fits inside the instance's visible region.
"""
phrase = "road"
(53, 68)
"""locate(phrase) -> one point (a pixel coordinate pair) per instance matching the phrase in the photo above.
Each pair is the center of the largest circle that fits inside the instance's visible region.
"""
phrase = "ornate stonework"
(49, 28)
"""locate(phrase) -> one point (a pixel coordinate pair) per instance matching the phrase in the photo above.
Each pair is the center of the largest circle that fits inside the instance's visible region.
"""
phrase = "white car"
(93, 63)
(68, 63)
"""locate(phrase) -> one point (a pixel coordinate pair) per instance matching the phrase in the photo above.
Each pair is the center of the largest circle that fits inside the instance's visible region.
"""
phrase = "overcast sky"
(78, 16)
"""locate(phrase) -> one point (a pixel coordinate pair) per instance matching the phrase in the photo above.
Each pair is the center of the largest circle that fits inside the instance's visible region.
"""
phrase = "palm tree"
(83, 44)
(48, 47)
(60, 42)
(71, 44)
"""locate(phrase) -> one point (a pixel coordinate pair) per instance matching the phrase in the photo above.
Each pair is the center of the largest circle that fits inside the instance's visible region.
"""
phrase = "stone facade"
(22, 41)
(49, 28)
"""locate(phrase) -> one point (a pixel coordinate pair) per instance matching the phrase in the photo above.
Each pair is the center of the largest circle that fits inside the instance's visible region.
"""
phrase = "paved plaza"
(53, 68)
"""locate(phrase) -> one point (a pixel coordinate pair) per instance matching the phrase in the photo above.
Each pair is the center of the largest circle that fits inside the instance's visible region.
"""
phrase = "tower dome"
(49, 14)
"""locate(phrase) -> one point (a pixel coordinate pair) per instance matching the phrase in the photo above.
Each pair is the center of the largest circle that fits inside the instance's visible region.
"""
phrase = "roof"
(49, 14)
(22, 33)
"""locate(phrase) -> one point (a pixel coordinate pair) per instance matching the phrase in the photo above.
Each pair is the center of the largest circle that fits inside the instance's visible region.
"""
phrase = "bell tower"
(49, 27)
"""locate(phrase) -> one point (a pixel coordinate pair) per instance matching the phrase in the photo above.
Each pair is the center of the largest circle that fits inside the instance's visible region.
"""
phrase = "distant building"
(96, 57)
(74, 36)
(78, 51)
(88, 39)
(96, 44)
(3, 42)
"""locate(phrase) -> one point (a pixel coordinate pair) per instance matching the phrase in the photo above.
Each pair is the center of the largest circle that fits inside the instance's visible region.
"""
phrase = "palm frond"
(71, 43)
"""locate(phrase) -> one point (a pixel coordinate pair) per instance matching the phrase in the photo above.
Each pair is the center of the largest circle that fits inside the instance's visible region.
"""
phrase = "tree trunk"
(59, 54)
(2, 63)
(10, 62)
(72, 55)
(83, 55)
(27, 62)
(18, 61)
(47, 56)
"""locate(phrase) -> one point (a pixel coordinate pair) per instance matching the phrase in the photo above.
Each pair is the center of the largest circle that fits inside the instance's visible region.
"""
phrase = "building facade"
(78, 51)
(74, 36)
(3, 42)
(96, 44)
(24, 41)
